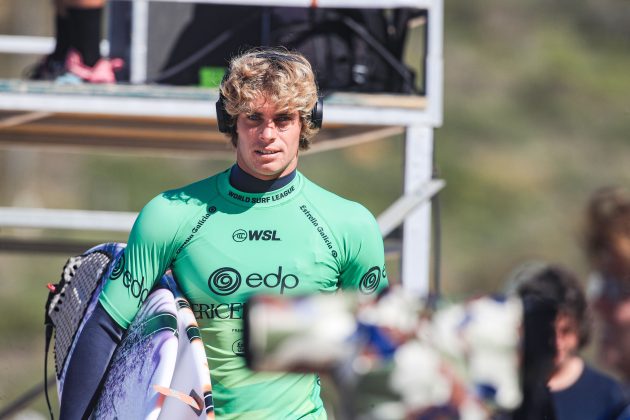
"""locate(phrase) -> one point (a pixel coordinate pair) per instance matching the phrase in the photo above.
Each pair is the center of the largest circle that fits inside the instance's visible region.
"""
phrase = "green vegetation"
(536, 118)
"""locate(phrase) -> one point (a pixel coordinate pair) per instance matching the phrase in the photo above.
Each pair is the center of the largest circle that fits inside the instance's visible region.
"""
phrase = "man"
(578, 391)
(260, 227)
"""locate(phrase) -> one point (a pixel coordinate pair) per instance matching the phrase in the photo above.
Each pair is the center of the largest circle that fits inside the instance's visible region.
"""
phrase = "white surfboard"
(160, 370)
(192, 374)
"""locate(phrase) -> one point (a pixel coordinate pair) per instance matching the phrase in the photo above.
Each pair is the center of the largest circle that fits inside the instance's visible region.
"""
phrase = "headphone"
(223, 118)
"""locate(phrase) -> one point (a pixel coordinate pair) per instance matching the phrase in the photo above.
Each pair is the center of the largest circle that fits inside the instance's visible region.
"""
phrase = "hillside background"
(537, 116)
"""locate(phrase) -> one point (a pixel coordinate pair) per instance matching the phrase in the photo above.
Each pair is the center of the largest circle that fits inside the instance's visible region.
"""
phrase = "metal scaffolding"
(33, 113)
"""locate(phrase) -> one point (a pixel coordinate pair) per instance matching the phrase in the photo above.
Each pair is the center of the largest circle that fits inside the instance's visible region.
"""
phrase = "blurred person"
(607, 244)
(77, 55)
(578, 391)
(259, 227)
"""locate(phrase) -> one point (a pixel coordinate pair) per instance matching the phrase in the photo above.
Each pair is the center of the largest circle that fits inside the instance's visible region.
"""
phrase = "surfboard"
(159, 370)
(192, 373)
(72, 301)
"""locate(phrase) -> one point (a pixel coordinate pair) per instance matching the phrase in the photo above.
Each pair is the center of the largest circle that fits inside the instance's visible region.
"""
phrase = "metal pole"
(139, 39)
(417, 226)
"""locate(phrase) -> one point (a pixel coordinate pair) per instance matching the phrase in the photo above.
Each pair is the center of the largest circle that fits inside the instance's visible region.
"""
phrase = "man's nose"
(269, 130)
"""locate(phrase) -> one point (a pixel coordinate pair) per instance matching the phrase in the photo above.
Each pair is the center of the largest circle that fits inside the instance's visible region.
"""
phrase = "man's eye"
(284, 119)
(253, 117)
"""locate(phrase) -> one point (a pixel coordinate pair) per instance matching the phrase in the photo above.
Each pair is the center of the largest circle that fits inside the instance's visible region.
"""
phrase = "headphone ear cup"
(317, 114)
(223, 118)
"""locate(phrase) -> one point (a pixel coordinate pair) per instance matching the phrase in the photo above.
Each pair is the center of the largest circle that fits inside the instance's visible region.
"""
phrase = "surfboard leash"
(48, 324)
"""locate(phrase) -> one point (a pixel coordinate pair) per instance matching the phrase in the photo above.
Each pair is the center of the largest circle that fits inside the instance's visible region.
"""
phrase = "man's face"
(268, 140)
(567, 338)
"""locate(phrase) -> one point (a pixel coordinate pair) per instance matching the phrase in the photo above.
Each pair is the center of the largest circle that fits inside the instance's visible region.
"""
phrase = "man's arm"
(148, 255)
(364, 269)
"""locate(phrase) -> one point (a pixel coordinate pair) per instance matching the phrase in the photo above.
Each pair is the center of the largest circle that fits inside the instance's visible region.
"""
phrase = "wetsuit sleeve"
(364, 265)
(148, 254)
(87, 367)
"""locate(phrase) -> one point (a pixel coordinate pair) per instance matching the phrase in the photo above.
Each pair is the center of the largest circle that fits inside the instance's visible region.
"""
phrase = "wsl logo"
(241, 235)
(226, 281)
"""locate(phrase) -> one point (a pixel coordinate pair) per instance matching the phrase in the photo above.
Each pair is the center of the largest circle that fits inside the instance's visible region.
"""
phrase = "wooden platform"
(120, 133)
(123, 117)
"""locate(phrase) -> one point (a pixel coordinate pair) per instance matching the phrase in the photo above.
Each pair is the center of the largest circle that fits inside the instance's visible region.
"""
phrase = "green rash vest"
(223, 246)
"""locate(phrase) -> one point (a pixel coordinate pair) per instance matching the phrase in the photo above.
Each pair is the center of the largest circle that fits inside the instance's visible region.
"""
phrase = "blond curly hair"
(283, 77)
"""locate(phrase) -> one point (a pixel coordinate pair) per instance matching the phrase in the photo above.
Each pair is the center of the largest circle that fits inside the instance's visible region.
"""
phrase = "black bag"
(350, 49)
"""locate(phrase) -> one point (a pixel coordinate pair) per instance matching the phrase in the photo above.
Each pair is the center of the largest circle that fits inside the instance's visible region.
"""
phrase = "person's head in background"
(607, 232)
(560, 287)
(607, 247)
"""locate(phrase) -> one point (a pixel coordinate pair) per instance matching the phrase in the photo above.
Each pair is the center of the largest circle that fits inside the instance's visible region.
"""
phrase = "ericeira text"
(198, 225)
(226, 281)
(266, 199)
(218, 310)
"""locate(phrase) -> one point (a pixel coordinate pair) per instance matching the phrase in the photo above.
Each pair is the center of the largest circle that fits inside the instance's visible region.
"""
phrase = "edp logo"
(227, 280)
